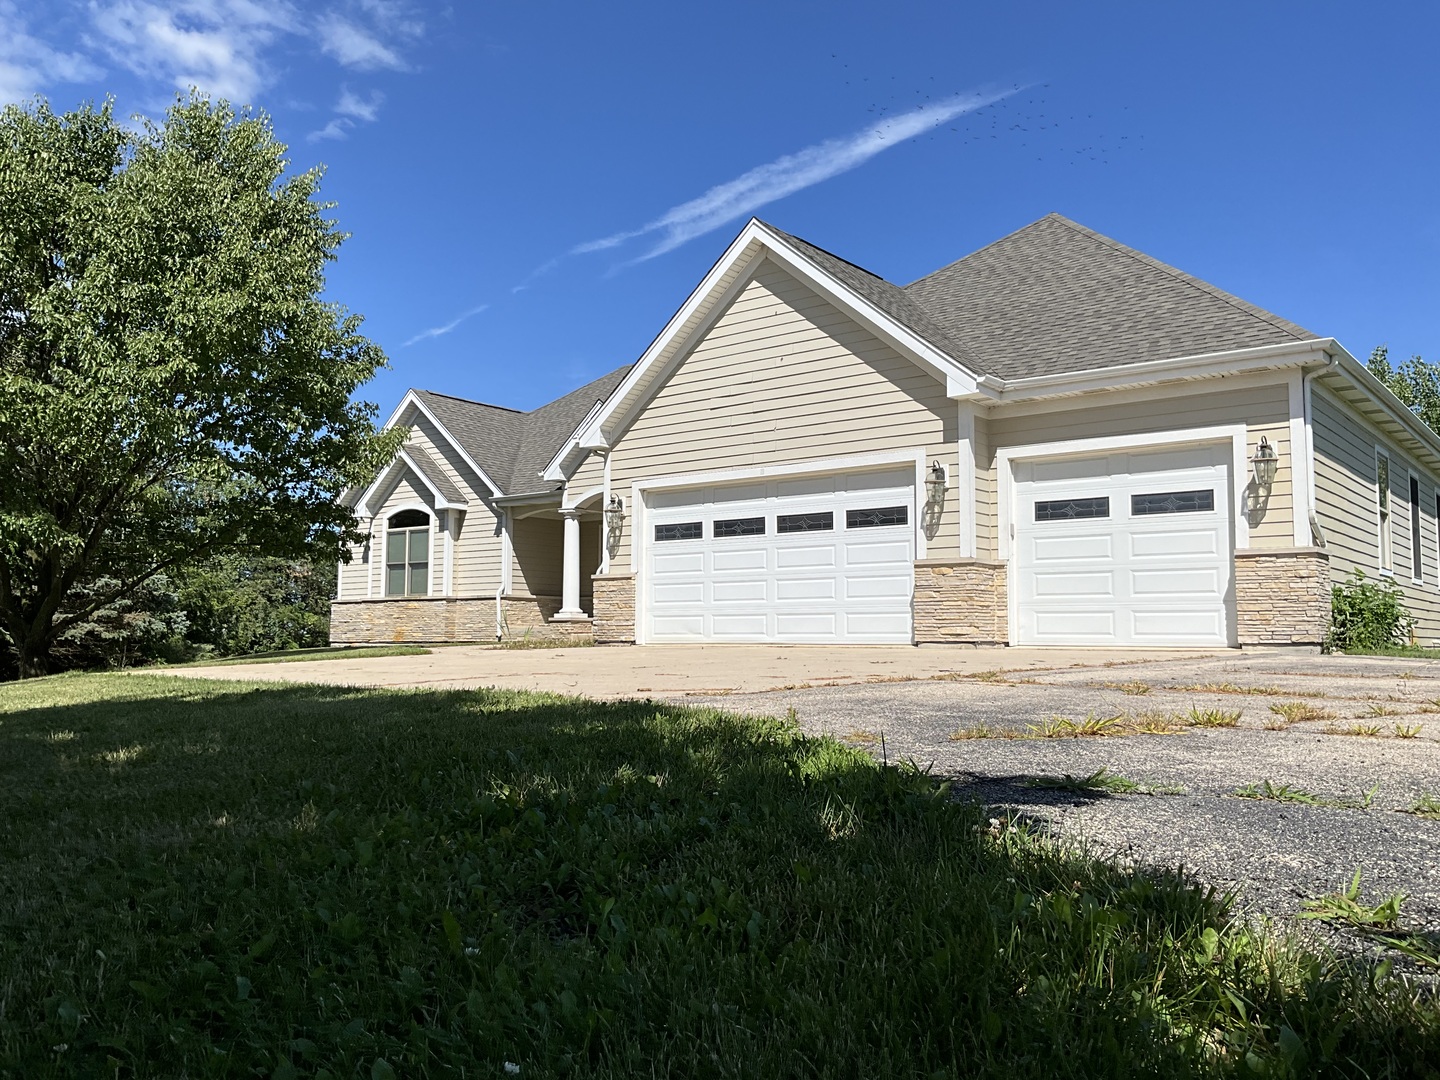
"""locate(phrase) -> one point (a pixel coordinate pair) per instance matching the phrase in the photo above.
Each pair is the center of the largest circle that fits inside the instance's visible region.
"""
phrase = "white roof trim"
(1231, 361)
(403, 460)
(555, 471)
(755, 240)
(412, 399)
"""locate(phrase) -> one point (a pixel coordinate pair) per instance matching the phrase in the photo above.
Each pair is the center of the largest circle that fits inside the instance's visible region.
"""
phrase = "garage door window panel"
(754, 526)
(799, 523)
(1072, 509)
(877, 518)
(685, 530)
(1173, 502)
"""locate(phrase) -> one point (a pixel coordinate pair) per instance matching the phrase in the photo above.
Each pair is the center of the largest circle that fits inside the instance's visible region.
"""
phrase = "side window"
(1382, 497)
(407, 554)
(1417, 570)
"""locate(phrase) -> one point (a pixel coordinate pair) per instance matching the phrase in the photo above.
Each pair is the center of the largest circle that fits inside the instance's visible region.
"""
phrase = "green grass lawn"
(237, 880)
(347, 652)
(1415, 652)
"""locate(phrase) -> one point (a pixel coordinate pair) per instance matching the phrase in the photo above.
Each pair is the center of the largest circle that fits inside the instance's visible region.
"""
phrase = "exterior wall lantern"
(1265, 462)
(935, 486)
(614, 522)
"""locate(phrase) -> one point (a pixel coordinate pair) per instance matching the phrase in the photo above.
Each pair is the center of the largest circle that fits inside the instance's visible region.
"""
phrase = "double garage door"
(813, 559)
(1125, 549)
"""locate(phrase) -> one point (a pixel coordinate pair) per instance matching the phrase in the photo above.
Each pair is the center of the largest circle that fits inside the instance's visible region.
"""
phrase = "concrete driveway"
(673, 671)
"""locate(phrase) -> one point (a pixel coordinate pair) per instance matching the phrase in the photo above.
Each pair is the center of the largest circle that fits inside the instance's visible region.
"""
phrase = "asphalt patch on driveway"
(1328, 794)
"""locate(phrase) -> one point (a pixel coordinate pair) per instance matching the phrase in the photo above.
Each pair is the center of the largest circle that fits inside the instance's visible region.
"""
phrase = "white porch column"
(570, 584)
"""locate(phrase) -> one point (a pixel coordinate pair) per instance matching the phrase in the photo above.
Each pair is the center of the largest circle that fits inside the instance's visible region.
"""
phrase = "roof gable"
(512, 448)
(1058, 297)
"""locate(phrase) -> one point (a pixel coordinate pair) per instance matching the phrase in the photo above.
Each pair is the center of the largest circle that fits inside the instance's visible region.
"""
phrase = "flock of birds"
(1021, 115)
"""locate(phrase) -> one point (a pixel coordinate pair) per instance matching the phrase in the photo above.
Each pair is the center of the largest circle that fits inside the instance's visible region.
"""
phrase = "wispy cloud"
(28, 65)
(356, 47)
(786, 175)
(440, 331)
(232, 49)
(217, 45)
(350, 110)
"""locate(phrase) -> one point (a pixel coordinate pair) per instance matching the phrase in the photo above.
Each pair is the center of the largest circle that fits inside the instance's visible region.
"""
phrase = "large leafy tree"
(1415, 382)
(172, 384)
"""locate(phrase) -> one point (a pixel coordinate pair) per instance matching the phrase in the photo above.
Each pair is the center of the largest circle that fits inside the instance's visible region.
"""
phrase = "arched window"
(407, 554)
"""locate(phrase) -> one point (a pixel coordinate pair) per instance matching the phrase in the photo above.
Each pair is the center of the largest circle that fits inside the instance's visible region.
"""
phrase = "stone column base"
(1282, 596)
(614, 609)
(961, 602)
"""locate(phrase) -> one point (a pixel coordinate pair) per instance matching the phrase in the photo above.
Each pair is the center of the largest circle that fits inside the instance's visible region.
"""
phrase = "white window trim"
(853, 463)
(1435, 503)
(1384, 536)
(1237, 435)
(384, 518)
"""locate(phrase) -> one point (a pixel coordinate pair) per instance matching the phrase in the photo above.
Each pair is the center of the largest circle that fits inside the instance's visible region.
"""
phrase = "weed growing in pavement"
(1134, 688)
(1062, 727)
(1362, 730)
(1214, 718)
(1288, 793)
(1407, 731)
(1378, 922)
(1427, 806)
(985, 731)
(1277, 793)
(1101, 780)
(864, 738)
(1375, 709)
(1294, 712)
(1345, 907)
(1158, 723)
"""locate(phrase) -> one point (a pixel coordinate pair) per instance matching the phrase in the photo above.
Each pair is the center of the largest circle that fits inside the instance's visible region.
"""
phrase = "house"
(1057, 440)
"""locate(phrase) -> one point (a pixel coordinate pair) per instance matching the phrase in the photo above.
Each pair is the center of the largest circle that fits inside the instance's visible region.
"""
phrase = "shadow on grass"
(299, 880)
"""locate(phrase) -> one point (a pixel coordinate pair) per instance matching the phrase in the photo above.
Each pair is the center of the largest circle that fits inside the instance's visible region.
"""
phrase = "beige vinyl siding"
(539, 556)
(354, 575)
(784, 377)
(1265, 410)
(1347, 507)
(590, 475)
(986, 522)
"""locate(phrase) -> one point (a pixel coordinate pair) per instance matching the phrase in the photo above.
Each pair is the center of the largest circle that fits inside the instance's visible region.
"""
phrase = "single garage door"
(814, 559)
(1126, 549)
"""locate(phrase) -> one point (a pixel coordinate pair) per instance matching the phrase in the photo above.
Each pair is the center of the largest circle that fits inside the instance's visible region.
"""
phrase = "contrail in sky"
(786, 175)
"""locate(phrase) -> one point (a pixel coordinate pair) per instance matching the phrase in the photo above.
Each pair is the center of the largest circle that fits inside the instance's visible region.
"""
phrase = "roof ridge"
(1253, 310)
(472, 401)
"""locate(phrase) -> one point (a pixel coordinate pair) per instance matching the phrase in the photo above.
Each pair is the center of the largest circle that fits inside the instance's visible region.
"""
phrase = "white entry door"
(827, 559)
(1126, 549)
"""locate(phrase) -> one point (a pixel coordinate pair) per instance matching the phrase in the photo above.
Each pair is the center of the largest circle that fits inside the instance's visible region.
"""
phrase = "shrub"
(1366, 614)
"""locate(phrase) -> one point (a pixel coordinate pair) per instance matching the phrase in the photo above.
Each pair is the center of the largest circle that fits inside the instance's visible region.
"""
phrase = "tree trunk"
(34, 659)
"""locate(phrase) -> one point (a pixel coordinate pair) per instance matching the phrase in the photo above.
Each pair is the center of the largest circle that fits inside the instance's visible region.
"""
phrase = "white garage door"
(814, 559)
(1126, 549)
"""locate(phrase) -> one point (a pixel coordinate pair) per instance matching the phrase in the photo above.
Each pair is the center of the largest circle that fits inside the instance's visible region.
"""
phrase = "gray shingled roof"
(1057, 297)
(427, 464)
(890, 299)
(514, 447)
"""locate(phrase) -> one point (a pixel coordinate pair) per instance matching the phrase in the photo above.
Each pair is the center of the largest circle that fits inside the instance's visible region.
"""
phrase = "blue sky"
(533, 189)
